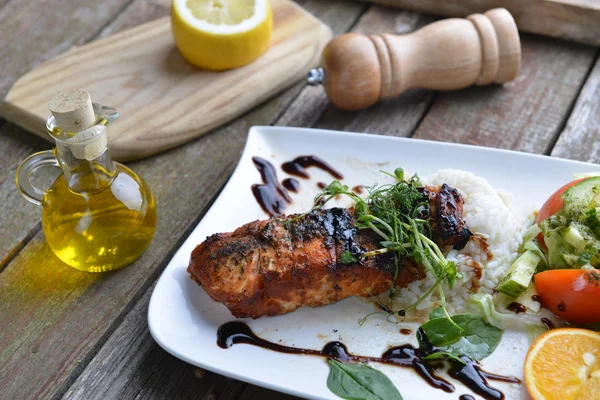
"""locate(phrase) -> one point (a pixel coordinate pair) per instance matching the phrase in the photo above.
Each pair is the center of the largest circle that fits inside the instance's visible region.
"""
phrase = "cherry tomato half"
(553, 205)
(571, 294)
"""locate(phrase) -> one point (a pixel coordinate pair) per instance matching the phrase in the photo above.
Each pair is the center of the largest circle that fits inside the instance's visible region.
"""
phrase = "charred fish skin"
(445, 215)
(274, 266)
(337, 227)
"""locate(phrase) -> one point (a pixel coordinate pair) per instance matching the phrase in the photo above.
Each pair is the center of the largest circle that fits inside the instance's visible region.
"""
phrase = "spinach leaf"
(442, 332)
(360, 382)
(477, 340)
(437, 313)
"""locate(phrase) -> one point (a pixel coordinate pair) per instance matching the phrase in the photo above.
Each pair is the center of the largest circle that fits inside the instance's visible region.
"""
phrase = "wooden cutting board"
(164, 101)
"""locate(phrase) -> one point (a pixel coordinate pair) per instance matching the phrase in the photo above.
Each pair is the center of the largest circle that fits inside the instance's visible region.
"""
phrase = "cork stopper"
(73, 110)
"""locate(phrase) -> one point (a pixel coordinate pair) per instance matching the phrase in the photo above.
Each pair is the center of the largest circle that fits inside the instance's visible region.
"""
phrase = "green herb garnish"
(360, 381)
(398, 214)
(347, 258)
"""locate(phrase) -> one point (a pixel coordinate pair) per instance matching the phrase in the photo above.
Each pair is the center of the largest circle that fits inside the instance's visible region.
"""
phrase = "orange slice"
(564, 364)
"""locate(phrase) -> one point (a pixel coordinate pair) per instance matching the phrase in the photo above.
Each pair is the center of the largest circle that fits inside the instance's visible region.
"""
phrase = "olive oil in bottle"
(98, 215)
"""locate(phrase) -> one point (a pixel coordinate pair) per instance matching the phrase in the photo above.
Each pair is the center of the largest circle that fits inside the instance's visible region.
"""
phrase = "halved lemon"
(221, 34)
(564, 364)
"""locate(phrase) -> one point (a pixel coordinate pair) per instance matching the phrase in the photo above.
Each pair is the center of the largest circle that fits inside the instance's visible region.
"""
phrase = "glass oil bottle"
(98, 215)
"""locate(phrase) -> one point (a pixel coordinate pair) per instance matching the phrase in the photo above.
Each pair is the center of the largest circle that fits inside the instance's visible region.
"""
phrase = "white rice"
(490, 215)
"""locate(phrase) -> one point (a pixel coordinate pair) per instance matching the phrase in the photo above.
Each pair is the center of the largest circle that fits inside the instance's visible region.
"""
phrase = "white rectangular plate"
(184, 320)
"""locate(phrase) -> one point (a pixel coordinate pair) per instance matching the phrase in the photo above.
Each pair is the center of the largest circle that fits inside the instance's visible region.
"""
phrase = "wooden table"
(76, 335)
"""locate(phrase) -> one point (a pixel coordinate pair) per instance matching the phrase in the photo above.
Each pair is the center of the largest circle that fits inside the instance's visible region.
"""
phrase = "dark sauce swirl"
(291, 184)
(272, 196)
(547, 323)
(298, 166)
(469, 374)
(517, 308)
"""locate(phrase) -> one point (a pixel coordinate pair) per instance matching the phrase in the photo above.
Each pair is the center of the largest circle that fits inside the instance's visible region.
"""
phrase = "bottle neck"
(85, 171)
(83, 155)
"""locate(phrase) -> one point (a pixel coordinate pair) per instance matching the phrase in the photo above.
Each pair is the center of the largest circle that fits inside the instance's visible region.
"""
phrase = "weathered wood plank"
(3, 3)
(56, 318)
(525, 114)
(259, 393)
(141, 369)
(19, 219)
(580, 140)
(32, 33)
(567, 19)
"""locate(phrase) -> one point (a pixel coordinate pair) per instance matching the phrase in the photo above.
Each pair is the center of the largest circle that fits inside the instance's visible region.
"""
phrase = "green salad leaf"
(476, 338)
(360, 382)
(502, 320)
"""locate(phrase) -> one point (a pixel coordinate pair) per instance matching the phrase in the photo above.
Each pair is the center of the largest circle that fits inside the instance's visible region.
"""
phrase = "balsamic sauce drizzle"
(469, 374)
(291, 184)
(517, 308)
(272, 196)
(466, 397)
(298, 166)
(547, 323)
(405, 331)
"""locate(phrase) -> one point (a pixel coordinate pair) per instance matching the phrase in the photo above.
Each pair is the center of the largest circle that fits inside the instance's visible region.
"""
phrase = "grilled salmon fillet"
(274, 266)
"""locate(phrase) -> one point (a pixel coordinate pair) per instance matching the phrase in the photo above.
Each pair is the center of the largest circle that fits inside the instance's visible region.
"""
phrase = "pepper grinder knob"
(358, 70)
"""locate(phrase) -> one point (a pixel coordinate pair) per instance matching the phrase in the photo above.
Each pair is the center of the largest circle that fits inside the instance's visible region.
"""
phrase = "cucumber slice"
(518, 277)
(577, 236)
(578, 198)
(526, 298)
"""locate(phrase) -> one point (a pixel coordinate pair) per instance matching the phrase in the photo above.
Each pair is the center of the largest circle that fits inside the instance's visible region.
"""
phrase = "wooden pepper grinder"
(358, 70)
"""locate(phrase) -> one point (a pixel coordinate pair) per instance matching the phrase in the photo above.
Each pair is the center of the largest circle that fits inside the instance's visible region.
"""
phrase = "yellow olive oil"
(102, 230)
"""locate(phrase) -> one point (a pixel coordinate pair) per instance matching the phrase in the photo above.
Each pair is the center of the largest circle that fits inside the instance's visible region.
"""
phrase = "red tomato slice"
(571, 294)
(553, 205)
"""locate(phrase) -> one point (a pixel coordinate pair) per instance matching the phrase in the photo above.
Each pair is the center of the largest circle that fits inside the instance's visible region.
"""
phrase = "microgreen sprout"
(398, 214)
